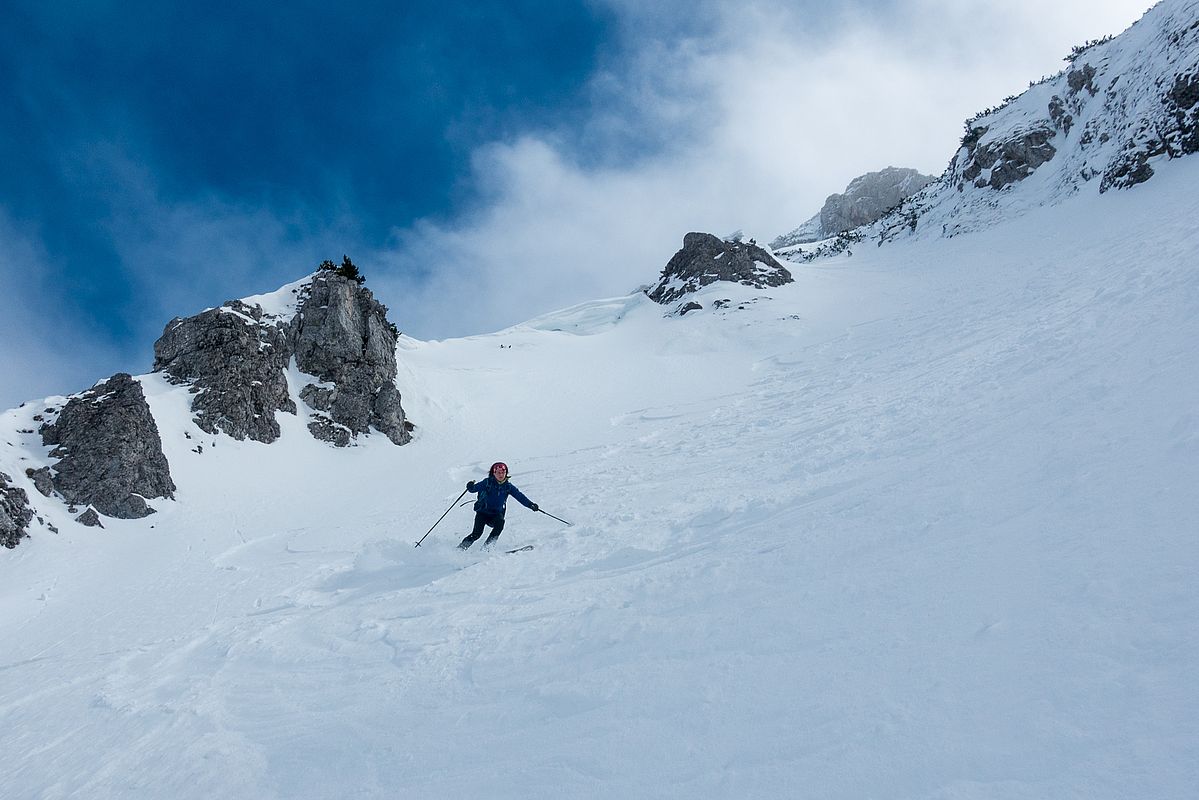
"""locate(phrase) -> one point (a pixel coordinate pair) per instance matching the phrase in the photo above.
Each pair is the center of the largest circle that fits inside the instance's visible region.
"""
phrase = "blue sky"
(482, 162)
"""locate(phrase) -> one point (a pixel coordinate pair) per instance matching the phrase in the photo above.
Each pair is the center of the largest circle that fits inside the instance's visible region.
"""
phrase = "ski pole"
(548, 514)
(439, 519)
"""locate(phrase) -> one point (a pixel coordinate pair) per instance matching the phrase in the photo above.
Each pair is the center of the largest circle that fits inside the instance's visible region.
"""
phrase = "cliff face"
(341, 336)
(236, 359)
(109, 451)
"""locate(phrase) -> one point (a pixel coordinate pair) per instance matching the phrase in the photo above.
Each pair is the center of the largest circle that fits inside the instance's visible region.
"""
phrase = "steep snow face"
(920, 525)
(1109, 121)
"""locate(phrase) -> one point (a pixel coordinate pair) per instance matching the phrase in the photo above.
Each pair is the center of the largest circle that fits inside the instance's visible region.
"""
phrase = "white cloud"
(758, 120)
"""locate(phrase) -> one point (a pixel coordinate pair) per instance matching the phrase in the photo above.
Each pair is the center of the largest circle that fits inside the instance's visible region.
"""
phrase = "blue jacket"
(493, 495)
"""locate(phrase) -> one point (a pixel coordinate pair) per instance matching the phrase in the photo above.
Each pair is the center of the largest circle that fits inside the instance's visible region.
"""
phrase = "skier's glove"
(534, 507)
(470, 486)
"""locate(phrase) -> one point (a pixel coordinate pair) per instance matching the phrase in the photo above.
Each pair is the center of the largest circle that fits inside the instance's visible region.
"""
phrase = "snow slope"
(920, 525)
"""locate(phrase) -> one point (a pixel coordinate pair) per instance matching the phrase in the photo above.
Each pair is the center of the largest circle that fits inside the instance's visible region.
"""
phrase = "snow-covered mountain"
(918, 523)
(1122, 107)
(866, 199)
(1108, 121)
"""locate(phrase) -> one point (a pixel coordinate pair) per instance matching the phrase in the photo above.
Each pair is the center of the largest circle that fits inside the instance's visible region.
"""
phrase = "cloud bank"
(752, 122)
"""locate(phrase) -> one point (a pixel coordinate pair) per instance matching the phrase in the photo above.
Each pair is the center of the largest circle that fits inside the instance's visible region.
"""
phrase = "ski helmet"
(496, 466)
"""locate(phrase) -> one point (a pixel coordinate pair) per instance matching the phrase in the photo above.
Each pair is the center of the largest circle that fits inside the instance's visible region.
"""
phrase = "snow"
(243, 317)
(284, 302)
(919, 525)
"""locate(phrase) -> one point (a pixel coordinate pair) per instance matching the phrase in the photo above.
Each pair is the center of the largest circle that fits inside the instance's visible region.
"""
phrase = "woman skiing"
(493, 494)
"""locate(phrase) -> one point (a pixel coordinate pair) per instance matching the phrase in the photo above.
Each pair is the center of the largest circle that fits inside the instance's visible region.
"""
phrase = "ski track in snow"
(921, 525)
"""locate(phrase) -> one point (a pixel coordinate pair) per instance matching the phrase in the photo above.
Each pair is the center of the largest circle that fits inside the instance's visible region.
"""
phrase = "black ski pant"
(497, 526)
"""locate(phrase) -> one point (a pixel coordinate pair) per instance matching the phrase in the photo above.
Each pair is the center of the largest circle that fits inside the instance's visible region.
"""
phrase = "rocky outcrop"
(705, 259)
(1005, 161)
(15, 513)
(867, 198)
(234, 357)
(237, 360)
(43, 480)
(341, 336)
(109, 451)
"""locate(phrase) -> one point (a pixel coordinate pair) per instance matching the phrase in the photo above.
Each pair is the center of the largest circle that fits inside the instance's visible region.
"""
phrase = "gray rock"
(1174, 133)
(342, 337)
(388, 415)
(1009, 160)
(705, 259)
(15, 513)
(89, 518)
(234, 357)
(324, 429)
(43, 480)
(1181, 103)
(109, 451)
(866, 199)
(1059, 114)
(1082, 78)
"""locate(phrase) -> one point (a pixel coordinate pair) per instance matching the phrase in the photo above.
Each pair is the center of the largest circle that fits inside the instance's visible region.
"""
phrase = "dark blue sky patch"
(361, 117)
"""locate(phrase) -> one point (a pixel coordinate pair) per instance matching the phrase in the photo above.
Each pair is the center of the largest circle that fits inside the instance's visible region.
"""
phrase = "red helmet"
(496, 466)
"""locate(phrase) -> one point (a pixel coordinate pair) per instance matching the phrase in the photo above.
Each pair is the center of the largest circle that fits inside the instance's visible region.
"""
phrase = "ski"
(519, 549)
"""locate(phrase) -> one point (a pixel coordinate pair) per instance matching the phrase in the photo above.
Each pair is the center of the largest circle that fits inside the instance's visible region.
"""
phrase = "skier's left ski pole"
(439, 519)
(548, 514)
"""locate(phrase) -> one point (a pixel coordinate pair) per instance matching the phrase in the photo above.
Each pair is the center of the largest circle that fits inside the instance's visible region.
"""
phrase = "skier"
(493, 494)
